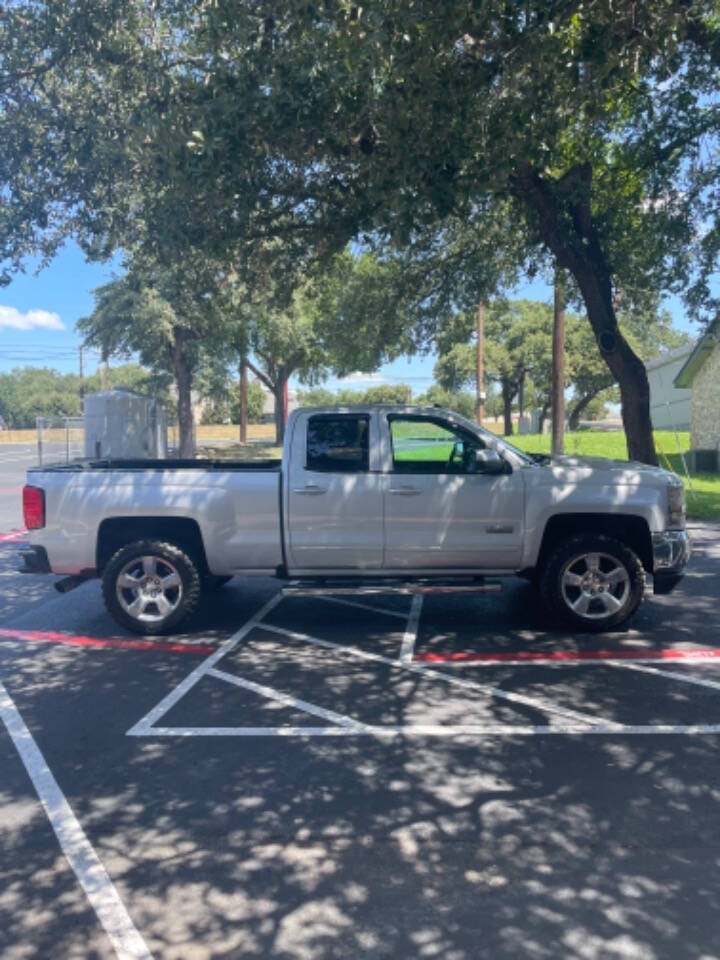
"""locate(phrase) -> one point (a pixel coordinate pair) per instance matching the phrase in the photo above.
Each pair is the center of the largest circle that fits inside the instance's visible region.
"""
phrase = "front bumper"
(671, 552)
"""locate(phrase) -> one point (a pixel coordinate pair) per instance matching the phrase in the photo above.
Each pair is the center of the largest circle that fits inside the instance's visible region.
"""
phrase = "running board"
(300, 589)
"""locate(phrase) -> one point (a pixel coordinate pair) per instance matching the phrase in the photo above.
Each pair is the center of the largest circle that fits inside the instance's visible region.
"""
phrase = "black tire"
(211, 583)
(602, 604)
(170, 560)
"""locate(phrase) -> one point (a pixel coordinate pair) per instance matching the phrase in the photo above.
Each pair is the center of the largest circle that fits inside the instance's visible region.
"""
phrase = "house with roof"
(701, 374)
(669, 404)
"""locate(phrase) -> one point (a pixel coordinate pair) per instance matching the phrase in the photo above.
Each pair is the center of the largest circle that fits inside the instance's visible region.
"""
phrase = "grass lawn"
(703, 490)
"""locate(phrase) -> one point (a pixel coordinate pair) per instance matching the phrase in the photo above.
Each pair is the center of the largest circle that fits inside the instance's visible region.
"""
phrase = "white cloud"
(358, 378)
(14, 319)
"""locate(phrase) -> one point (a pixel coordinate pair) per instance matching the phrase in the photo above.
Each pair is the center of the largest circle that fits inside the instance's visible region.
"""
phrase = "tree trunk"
(479, 366)
(565, 224)
(280, 395)
(544, 410)
(243, 400)
(183, 383)
(557, 391)
(582, 404)
(277, 378)
(507, 397)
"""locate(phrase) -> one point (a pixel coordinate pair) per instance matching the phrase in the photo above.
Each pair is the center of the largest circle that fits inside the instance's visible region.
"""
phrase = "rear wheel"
(592, 582)
(150, 586)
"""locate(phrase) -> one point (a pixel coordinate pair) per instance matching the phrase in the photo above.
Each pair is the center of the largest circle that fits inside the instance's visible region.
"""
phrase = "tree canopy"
(270, 137)
(518, 348)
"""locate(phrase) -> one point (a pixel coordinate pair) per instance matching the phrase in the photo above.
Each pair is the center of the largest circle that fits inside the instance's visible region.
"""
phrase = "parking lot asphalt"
(15, 459)
(308, 778)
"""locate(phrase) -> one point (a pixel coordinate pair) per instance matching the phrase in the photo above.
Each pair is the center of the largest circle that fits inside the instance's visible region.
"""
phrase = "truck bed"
(233, 504)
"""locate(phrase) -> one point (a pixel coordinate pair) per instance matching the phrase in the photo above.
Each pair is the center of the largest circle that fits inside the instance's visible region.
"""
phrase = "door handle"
(310, 490)
(405, 491)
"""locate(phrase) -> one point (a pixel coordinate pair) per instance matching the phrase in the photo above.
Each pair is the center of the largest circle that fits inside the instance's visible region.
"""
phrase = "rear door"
(439, 511)
(334, 496)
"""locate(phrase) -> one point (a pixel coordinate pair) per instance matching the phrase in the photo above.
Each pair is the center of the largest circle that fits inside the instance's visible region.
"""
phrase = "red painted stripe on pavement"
(549, 656)
(16, 536)
(116, 643)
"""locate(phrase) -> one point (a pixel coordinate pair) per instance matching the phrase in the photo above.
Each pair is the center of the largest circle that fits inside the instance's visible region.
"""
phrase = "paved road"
(502, 837)
(15, 459)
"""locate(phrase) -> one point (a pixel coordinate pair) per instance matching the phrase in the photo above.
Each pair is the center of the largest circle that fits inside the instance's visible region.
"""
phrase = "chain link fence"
(60, 439)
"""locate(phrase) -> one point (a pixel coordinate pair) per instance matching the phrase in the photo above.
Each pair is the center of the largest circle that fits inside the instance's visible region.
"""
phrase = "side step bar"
(300, 589)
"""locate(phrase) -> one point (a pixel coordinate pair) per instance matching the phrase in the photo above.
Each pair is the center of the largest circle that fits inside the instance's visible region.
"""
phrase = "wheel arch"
(117, 532)
(630, 529)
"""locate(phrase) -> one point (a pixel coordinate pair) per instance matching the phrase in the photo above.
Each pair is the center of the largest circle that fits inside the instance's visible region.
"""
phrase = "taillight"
(33, 507)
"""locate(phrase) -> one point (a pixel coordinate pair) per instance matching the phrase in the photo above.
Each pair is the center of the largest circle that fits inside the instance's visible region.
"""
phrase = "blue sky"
(38, 314)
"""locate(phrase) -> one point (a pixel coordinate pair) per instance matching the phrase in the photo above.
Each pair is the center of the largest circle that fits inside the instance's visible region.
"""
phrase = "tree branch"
(260, 375)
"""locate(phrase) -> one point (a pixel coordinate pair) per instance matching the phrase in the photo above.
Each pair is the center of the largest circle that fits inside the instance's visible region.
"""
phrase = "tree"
(650, 331)
(139, 379)
(382, 393)
(284, 343)
(160, 314)
(462, 403)
(30, 392)
(278, 137)
(223, 403)
(316, 397)
(518, 349)
(535, 104)
(347, 315)
(388, 393)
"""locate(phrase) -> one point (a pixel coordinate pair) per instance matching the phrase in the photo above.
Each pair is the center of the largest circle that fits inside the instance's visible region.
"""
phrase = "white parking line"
(536, 703)
(364, 606)
(698, 661)
(147, 726)
(407, 651)
(17, 457)
(670, 674)
(347, 722)
(151, 718)
(81, 856)
(438, 730)
(569, 722)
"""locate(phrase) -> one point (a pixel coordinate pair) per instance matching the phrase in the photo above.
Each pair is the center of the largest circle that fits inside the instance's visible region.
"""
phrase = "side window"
(425, 445)
(337, 443)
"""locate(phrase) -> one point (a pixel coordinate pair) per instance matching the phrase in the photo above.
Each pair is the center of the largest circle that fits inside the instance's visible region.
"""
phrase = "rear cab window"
(338, 443)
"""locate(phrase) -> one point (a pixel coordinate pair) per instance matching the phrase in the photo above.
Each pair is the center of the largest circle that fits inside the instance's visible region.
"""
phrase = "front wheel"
(150, 586)
(592, 582)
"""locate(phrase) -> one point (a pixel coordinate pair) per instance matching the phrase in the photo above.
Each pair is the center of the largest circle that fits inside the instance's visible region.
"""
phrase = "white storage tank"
(122, 424)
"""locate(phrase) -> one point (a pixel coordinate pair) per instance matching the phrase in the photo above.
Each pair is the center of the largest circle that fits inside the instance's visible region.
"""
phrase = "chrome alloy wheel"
(149, 589)
(594, 585)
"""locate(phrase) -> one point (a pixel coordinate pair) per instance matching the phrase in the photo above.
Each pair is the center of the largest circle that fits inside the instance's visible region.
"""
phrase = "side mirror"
(489, 461)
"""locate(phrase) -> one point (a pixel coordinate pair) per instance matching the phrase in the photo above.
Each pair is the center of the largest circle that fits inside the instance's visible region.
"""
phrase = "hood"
(603, 470)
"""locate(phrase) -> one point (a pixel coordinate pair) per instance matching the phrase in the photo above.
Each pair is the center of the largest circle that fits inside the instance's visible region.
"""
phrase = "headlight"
(676, 505)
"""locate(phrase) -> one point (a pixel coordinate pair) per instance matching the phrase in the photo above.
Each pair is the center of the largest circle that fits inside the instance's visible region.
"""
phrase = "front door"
(439, 511)
(334, 499)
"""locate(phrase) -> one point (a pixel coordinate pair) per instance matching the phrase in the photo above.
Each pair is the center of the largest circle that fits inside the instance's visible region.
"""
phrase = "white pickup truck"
(363, 495)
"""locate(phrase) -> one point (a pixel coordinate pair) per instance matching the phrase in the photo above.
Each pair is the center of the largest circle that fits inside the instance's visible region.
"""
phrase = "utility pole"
(558, 366)
(82, 384)
(105, 373)
(243, 399)
(480, 388)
